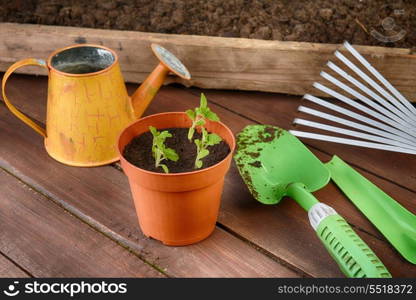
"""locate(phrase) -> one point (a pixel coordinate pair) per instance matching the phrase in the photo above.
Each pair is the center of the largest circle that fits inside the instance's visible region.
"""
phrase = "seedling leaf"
(191, 132)
(200, 122)
(159, 151)
(198, 164)
(164, 134)
(153, 130)
(165, 168)
(199, 116)
(204, 102)
(212, 116)
(204, 134)
(203, 153)
(191, 114)
(213, 139)
(171, 154)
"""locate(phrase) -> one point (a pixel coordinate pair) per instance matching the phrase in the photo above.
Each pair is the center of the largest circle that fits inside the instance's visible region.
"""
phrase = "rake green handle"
(351, 253)
(394, 221)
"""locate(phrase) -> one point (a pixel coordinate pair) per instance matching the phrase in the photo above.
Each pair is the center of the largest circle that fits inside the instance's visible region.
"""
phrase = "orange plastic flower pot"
(178, 208)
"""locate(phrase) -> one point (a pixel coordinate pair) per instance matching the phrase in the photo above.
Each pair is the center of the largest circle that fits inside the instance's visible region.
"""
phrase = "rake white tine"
(399, 115)
(352, 133)
(380, 77)
(351, 142)
(382, 91)
(356, 116)
(355, 125)
(403, 130)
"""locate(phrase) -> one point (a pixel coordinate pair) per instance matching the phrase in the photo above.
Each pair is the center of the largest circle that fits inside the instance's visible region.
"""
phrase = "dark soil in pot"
(139, 152)
(319, 21)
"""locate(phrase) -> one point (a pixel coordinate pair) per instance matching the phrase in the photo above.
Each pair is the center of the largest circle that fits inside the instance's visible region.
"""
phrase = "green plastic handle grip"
(351, 253)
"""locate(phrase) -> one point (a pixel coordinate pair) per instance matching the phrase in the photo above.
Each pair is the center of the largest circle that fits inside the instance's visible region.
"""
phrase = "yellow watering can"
(88, 105)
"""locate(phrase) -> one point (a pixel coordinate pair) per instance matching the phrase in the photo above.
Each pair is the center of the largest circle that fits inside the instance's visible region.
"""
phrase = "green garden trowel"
(274, 164)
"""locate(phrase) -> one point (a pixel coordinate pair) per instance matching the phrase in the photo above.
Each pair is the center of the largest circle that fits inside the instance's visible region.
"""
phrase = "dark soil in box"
(364, 22)
(139, 152)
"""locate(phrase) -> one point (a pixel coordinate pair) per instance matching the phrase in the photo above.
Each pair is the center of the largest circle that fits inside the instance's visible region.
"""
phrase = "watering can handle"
(10, 106)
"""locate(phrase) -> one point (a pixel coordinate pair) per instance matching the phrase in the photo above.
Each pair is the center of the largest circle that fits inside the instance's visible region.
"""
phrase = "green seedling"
(160, 151)
(207, 139)
(199, 115)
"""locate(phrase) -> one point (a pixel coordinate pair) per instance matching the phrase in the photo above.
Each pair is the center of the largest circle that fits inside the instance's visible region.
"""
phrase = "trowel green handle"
(353, 256)
(351, 253)
(394, 221)
(300, 193)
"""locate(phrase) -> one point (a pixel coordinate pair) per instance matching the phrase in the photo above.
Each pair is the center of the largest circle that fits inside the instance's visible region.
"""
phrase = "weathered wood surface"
(214, 62)
(101, 197)
(171, 99)
(49, 242)
(281, 231)
(9, 269)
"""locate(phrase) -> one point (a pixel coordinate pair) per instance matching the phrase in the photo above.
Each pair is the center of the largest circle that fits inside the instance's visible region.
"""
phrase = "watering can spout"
(168, 62)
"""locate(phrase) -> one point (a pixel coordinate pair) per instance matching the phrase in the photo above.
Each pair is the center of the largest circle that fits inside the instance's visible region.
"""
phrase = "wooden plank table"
(63, 221)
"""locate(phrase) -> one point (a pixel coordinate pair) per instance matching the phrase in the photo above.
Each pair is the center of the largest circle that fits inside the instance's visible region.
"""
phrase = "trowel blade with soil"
(270, 158)
(274, 164)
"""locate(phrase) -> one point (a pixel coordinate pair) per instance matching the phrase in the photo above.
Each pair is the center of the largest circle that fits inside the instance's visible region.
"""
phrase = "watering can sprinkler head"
(148, 89)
